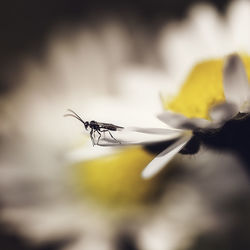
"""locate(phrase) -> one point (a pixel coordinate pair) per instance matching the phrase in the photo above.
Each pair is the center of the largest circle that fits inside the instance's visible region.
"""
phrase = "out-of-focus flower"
(202, 35)
(47, 191)
(78, 71)
(92, 194)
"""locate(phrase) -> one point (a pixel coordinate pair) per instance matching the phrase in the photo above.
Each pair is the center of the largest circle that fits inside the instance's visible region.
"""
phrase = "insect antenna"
(75, 115)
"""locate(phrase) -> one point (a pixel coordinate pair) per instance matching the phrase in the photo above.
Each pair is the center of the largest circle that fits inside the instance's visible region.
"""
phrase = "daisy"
(207, 35)
(51, 192)
(236, 101)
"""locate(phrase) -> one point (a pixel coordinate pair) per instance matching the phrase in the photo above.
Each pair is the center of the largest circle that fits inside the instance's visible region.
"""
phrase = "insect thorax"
(94, 125)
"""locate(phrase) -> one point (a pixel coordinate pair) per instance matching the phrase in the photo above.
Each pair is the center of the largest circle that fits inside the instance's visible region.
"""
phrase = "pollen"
(116, 179)
(202, 89)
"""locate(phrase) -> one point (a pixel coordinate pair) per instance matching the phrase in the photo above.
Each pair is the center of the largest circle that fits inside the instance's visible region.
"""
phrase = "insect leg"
(91, 136)
(113, 137)
(98, 136)
(106, 130)
(103, 131)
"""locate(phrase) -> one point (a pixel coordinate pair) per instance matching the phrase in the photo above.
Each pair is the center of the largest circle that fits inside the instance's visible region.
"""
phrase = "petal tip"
(145, 174)
(235, 80)
(232, 61)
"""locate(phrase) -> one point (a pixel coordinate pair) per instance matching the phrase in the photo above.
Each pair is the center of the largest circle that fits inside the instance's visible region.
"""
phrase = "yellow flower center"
(116, 179)
(202, 89)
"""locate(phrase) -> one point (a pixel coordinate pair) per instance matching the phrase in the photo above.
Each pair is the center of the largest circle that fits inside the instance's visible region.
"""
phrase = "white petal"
(157, 131)
(238, 19)
(164, 157)
(223, 112)
(139, 136)
(182, 122)
(236, 88)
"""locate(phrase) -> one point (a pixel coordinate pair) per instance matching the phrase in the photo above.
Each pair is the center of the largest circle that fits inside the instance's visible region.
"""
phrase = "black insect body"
(96, 127)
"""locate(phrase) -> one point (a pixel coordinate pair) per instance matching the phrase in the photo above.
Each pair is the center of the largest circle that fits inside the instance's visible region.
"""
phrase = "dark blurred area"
(11, 241)
(25, 26)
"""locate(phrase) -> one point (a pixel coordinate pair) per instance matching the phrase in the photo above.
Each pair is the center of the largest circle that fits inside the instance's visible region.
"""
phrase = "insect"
(96, 127)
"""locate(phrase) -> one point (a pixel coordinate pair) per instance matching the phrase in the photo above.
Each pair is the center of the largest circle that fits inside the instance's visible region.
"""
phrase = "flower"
(219, 108)
(45, 187)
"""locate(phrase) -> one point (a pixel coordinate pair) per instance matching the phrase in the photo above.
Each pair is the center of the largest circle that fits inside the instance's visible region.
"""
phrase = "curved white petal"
(139, 136)
(160, 161)
(223, 112)
(157, 131)
(236, 87)
(182, 122)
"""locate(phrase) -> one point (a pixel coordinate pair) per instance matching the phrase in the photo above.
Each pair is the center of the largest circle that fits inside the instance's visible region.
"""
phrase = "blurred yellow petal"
(116, 179)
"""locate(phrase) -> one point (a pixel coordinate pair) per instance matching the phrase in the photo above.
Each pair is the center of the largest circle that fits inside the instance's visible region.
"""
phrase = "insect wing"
(110, 126)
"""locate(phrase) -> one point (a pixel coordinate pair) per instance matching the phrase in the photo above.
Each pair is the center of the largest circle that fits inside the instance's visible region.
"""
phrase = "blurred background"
(26, 27)
(89, 55)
